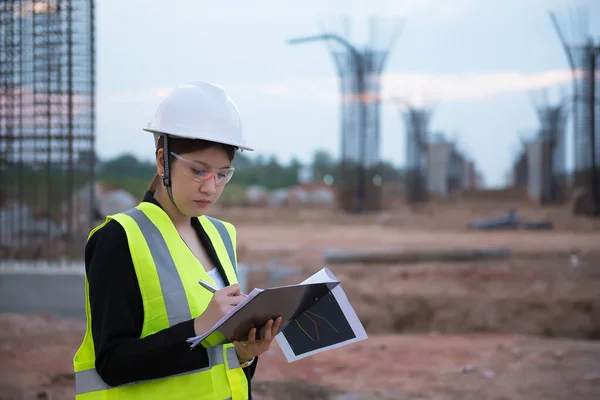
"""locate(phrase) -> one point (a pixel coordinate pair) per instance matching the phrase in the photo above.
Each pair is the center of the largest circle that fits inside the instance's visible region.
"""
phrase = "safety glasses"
(201, 172)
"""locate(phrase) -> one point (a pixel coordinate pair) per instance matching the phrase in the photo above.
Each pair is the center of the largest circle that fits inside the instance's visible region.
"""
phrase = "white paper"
(325, 275)
(197, 339)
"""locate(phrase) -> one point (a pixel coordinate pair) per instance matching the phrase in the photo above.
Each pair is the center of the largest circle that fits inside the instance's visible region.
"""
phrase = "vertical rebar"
(70, 90)
(46, 68)
(92, 156)
(47, 52)
(34, 199)
(5, 224)
(359, 61)
(582, 53)
(592, 54)
(19, 159)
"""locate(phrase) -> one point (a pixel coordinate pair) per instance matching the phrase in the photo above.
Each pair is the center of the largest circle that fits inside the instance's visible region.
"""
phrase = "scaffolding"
(359, 189)
(47, 125)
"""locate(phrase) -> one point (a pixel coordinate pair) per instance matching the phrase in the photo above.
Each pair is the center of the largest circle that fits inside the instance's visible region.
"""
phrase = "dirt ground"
(438, 215)
(36, 353)
(520, 328)
(301, 236)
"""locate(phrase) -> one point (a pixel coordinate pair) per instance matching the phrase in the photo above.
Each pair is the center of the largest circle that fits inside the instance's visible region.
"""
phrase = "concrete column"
(437, 168)
(540, 179)
(534, 151)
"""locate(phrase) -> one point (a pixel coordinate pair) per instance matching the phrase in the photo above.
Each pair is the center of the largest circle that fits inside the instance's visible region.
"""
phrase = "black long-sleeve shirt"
(118, 314)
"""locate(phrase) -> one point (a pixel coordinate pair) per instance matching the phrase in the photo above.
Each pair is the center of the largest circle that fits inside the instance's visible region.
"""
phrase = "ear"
(160, 168)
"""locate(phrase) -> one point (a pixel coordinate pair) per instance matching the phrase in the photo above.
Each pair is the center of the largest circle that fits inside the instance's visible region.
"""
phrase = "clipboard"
(288, 302)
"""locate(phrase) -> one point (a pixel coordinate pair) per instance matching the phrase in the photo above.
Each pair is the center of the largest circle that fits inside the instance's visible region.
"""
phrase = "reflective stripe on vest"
(89, 381)
(226, 239)
(176, 303)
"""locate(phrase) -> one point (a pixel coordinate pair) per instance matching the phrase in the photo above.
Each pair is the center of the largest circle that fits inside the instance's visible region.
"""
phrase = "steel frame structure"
(47, 128)
(552, 134)
(582, 53)
(359, 71)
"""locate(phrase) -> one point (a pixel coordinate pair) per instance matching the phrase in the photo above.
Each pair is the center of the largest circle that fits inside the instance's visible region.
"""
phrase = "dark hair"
(183, 146)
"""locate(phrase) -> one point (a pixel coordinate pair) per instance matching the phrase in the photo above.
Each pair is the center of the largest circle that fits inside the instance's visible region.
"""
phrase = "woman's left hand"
(253, 348)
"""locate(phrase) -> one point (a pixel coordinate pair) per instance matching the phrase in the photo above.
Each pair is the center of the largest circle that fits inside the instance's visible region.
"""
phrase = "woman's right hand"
(222, 302)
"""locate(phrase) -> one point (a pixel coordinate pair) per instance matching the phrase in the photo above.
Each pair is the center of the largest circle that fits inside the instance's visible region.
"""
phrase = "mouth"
(203, 203)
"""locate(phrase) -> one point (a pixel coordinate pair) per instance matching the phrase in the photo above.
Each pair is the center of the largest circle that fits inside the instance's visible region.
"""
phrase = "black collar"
(202, 235)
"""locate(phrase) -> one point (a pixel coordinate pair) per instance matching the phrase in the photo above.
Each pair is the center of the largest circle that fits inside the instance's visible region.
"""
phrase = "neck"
(179, 219)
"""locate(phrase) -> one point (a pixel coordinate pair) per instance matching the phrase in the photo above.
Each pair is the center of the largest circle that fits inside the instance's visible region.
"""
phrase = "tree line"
(130, 173)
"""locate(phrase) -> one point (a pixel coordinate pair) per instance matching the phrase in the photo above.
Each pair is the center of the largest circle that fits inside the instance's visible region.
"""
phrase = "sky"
(477, 60)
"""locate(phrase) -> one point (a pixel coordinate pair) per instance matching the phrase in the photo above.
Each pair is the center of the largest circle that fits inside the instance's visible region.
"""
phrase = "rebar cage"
(582, 53)
(359, 189)
(360, 70)
(552, 137)
(47, 127)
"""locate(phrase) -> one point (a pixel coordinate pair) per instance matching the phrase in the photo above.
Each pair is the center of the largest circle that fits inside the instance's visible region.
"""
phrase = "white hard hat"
(199, 110)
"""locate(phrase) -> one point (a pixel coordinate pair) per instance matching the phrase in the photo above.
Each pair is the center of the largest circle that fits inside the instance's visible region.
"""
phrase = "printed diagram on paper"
(329, 324)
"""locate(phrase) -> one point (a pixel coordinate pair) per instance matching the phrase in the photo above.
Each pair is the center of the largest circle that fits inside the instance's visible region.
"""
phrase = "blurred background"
(443, 160)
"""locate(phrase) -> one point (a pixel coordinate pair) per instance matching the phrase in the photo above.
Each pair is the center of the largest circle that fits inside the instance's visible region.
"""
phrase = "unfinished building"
(448, 170)
(546, 153)
(520, 170)
(47, 125)
(416, 122)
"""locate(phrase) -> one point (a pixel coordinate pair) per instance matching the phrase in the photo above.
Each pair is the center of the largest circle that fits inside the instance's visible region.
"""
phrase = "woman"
(143, 300)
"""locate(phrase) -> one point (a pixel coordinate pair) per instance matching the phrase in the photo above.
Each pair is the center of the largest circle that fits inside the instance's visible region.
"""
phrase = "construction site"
(465, 292)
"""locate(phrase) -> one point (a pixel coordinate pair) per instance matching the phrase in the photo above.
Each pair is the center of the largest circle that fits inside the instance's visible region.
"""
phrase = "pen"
(207, 286)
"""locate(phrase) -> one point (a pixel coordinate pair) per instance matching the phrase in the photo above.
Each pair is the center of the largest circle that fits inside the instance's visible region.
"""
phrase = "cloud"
(28, 109)
(410, 87)
(161, 92)
(312, 8)
(130, 96)
(275, 89)
(448, 8)
(471, 86)
(417, 87)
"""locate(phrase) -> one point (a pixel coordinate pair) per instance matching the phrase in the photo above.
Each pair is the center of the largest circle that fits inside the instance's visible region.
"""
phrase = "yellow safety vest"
(168, 275)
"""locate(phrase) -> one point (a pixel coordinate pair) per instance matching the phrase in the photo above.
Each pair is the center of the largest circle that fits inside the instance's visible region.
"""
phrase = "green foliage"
(127, 164)
(135, 185)
(234, 194)
(133, 175)
(127, 172)
(40, 185)
(323, 164)
(270, 174)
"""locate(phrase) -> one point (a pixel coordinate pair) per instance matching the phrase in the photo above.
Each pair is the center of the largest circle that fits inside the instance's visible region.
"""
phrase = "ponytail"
(154, 183)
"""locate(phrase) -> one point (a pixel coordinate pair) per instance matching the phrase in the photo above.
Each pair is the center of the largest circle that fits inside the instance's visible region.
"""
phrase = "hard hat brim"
(200, 136)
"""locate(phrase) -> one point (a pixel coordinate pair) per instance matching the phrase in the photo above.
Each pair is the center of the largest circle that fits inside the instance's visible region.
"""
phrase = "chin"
(199, 210)
(195, 213)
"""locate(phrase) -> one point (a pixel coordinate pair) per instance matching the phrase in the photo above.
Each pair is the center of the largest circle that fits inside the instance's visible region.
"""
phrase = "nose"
(209, 186)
